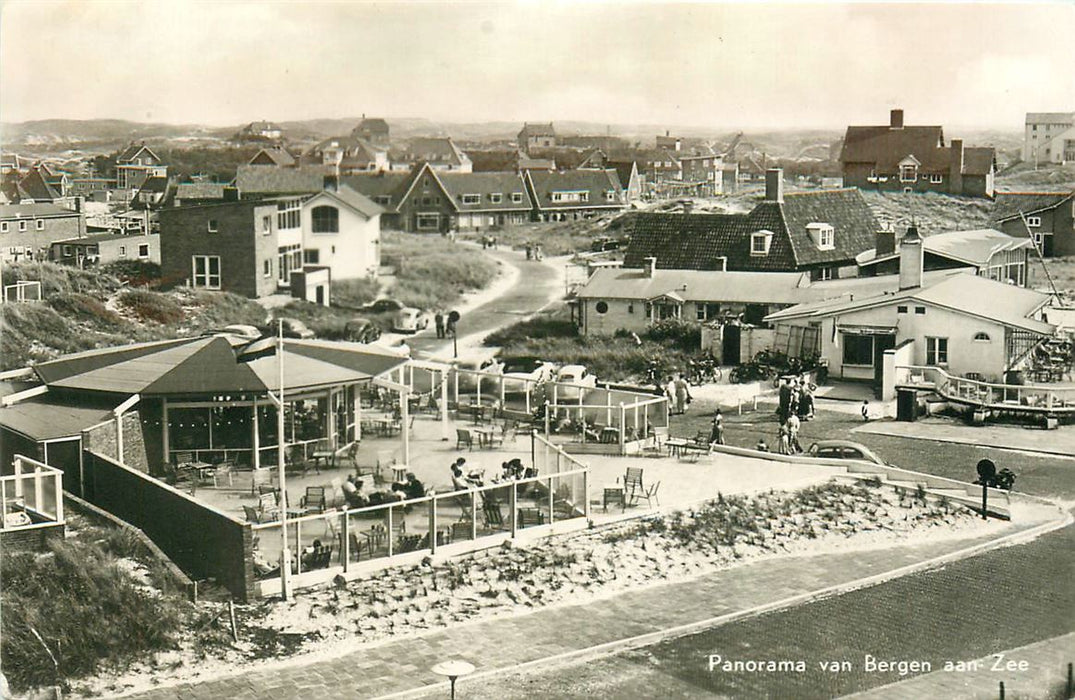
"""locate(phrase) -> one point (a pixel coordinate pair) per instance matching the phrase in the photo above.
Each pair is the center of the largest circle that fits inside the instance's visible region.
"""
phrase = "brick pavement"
(402, 665)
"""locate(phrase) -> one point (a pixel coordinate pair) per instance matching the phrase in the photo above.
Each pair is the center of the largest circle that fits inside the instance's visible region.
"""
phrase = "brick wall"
(54, 229)
(34, 539)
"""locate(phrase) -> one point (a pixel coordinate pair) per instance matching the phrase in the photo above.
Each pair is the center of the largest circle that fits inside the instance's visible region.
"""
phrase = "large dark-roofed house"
(1047, 217)
(817, 232)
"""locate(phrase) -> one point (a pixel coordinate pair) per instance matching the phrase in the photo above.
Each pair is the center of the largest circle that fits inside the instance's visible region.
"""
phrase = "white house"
(341, 230)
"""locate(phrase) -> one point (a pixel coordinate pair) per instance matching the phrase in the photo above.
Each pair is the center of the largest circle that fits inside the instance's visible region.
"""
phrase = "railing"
(986, 395)
(32, 495)
(621, 424)
(456, 522)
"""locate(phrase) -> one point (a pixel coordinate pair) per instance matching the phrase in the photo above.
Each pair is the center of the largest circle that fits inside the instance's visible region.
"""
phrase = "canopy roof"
(210, 366)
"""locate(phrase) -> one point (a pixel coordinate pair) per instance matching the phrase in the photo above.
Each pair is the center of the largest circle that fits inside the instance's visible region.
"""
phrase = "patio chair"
(660, 437)
(252, 515)
(494, 518)
(460, 531)
(409, 543)
(632, 484)
(613, 495)
(650, 494)
(267, 509)
(360, 545)
(314, 500)
(224, 471)
(510, 426)
(463, 437)
(531, 516)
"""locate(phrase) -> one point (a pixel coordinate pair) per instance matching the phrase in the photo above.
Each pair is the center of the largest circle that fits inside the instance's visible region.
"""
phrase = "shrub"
(533, 329)
(354, 293)
(138, 273)
(684, 335)
(57, 279)
(152, 306)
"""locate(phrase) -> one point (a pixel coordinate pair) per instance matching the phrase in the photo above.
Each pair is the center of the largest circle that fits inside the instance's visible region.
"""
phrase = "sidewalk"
(1044, 675)
(1060, 442)
(402, 665)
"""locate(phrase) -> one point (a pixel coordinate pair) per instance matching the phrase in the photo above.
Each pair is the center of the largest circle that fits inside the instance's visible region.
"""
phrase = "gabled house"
(574, 194)
(259, 131)
(965, 324)
(200, 192)
(347, 154)
(486, 200)
(28, 230)
(440, 153)
(820, 232)
(13, 162)
(41, 185)
(1046, 217)
(341, 230)
(536, 136)
(384, 188)
(903, 158)
(626, 170)
(989, 252)
(153, 193)
(255, 181)
(276, 155)
(135, 163)
(374, 130)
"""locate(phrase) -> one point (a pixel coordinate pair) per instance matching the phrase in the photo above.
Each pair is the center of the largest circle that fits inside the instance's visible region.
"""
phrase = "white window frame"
(67, 251)
(982, 337)
(266, 268)
(472, 199)
(206, 279)
(1033, 221)
(22, 226)
(123, 251)
(610, 196)
(3, 227)
(516, 197)
(824, 274)
(496, 197)
(39, 224)
(140, 253)
(913, 177)
(212, 226)
(936, 179)
(766, 237)
(428, 216)
(266, 225)
(937, 351)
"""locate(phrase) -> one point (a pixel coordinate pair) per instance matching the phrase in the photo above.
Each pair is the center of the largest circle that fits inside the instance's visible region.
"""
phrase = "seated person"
(762, 446)
(378, 498)
(516, 466)
(352, 492)
(459, 481)
(412, 487)
(263, 568)
(310, 555)
(563, 424)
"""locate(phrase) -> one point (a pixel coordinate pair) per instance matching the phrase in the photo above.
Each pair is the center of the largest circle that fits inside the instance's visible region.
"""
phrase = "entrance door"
(730, 344)
(320, 295)
(880, 344)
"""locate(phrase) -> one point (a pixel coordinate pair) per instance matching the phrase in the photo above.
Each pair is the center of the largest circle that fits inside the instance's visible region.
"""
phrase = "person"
(793, 434)
(783, 443)
(683, 394)
(352, 492)
(866, 409)
(438, 320)
(761, 446)
(263, 568)
(494, 243)
(310, 555)
(783, 407)
(806, 402)
(529, 251)
(716, 432)
(670, 393)
(459, 482)
(412, 487)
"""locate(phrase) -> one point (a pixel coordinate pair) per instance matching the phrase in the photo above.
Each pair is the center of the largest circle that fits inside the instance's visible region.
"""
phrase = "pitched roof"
(974, 247)
(36, 187)
(94, 238)
(372, 124)
(200, 190)
(979, 160)
(498, 161)
(530, 130)
(972, 295)
(49, 417)
(485, 185)
(262, 180)
(351, 198)
(624, 170)
(698, 241)
(596, 182)
(884, 147)
(357, 150)
(278, 156)
(154, 184)
(434, 150)
(1008, 205)
(374, 185)
(697, 285)
(40, 209)
(1050, 117)
(131, 151)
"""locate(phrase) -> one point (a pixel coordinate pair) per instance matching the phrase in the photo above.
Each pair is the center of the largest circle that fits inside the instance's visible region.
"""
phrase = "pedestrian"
(866, 412)
(806, 402)
(438, 320)
(783, 408)
(793, 425)
(670, 394)
(494, 244)
(683, 394)
(783, 445)
(761, 446)
(716, 431)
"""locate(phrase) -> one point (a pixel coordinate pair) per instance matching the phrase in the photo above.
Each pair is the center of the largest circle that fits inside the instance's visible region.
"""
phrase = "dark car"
(603, 244)
(381, 306)
(843, 449)
(293, 328)
(362, 330)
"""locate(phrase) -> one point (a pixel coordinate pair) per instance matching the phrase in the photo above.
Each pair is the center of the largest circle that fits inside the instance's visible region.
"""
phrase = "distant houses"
(28, 230)
(536, 136)
(105, 248)
(1049, 137)
(135, 163)
(901, 158)
(1047, 218)
(259, 131)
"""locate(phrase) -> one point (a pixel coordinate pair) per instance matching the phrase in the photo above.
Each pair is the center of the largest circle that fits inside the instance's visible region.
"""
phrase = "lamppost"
(453, 669)
(453, 319)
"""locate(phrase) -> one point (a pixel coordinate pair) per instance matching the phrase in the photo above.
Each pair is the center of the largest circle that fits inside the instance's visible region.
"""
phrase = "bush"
(137, 273)
(611, 359)
(58, 279)
(88, 309)
(152, 306)
(533, 329)
(683, 335)
(354, 293)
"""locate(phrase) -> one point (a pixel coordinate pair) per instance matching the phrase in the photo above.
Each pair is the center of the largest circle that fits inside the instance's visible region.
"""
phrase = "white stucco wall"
(354, 251)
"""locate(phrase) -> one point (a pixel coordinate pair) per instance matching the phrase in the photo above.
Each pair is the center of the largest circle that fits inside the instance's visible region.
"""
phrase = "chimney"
(78, 204)
(911, 259)
(774, 185)
(895, 119)
(651, 266)
(886, 243)
(231, 194)
(331, 182)
(955, 170)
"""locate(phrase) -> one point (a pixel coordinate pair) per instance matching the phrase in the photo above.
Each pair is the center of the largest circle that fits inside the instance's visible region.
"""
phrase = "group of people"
(678, 392)
(464, 478)
(489, 242)
(357, 497)
(533, 251)
(796, 405)
(444, 324)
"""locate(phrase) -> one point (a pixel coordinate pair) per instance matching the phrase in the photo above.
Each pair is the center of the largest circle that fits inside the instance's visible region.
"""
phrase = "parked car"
(361, 330)
(577, 377)
(293, 328)
(468, 380)
(843, 449)
(410, 320)
(382, 306)
(520, 371)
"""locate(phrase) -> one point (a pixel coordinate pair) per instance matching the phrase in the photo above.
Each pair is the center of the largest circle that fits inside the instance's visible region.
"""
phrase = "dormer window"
(496, 197)
(516, 197)
(610, 196)
(760, 242)
(472, 199)
(823, 235)
(1033, 221)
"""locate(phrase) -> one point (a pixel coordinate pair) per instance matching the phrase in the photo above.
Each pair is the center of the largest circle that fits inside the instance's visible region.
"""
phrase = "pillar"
(256, 442)
(445, 430)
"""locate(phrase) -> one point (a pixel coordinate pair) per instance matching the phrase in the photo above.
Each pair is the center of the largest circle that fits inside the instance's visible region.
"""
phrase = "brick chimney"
(911, 259)
(651, 266)
(955, 170)
(331, 182)
(774, 185)
(895, 119)
(885, 243)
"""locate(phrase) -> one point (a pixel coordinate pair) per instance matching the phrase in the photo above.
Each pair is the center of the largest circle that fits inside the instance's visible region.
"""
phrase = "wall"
(102, 439)
(900, 356)
(55, 229)
(355, 251)
(110, 251)
(31, 539)
(204, 542)
(1058, 220)
(426, 196)
(618, 316)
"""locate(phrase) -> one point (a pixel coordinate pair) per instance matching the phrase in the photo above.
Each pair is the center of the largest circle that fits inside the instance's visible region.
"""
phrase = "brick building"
(28, 230)
(1046, 217)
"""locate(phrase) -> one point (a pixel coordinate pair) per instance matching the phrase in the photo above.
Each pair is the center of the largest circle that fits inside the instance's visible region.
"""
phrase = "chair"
(531, 516)
(660, 437)
(358, 545)
(463, 437)
(267, 510)
(632, 484)
(494, 518)
(252, 515)
(650, 494)
(495, 438)
(510, 426)
(613, 495)
(409, 543)
(314, 500)
(224, 470)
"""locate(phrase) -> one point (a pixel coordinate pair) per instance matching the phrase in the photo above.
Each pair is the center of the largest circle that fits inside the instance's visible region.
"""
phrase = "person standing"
(683, 394)
(716, 431)
(793, 434)
(438, 320)
(784, 407)
(783, 445)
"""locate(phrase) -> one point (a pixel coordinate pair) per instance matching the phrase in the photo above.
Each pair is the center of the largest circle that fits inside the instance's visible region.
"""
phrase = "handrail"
(1031, 397)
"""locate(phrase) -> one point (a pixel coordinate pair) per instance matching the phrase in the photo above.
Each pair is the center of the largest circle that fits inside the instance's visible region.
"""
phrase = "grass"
(433, 272)
(933, 213)
(354, 293)
(151, 306)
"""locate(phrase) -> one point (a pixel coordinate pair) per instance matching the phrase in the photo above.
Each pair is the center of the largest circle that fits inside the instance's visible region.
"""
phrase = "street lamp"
(453, 319)
(453, 669)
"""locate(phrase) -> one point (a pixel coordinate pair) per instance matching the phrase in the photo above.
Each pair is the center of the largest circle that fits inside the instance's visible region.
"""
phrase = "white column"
(358, 413)
(445, 430)
(404, 428)
(165, 434)
(256, 442)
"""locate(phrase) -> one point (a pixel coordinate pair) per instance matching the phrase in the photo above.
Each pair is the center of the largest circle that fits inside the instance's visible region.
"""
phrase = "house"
(751, 170)
(1047, 217)
(280, 157)
(259, 131)
(347, 154)
(440, 153)
(991, 253)
(199, 192)
(626, 170)
(42, 185)
(374, 130)
(914, 159)
(729, 176)
(574, 194)
(341, 230)
(820, 232)
(385, 189)
(13, 163)
(257, 181)
(669, 142)
(486, 200)
(507, 161)
(702, 175)
(153, 193)
(93, 189)
(1049, 137)
(965, 324)
(536, 136)
(135, 163)
(28, 230)
(104, 248)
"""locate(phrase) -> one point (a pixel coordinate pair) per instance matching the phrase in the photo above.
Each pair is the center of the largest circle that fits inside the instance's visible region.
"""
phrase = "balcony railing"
(32, 495)
(987, 395)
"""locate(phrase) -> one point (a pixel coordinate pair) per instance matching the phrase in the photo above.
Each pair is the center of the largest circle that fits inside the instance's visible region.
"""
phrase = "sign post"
(987, 471)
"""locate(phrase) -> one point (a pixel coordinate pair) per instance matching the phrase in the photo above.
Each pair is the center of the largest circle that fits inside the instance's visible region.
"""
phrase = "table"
(610, 434)
(387, 426)
(328, 455)
(674, 444)
(485, 435)
(297, 512)
(614, 493)
(476, 411)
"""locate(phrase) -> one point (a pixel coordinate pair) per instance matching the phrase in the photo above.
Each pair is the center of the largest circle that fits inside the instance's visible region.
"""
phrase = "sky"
(698, 64)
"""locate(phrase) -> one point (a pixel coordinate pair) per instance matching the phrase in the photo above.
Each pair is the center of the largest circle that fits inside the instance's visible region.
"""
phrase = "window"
(823, 235)
(67, 250)
(981, 337)
(266, 225)
(311, 256)
(936, 179)
(206, 271)
(858, 349)
(266, 268)
(707, 312)
(123, 251)
(22, 225)
(908, 190)
(496, 197)
(382, 199)
(936, 351)
(824, 273)
(472, 199)
(427, 222)
(759, 242)
(143, 250)
(3, 227)
(40, 224)
(601, 307)
(1033, 221)
(517, 197)
(610, 196)
(288, 214)
(213, 226)
(901, 309)
(908, 173)
(325, 219)
(920, 310)
(630, 308)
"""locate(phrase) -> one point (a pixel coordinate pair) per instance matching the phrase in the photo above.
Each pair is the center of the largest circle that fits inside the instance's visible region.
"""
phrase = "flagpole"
(285, 555)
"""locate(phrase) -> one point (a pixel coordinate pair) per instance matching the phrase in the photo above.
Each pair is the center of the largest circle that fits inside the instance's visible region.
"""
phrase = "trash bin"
(906, 405)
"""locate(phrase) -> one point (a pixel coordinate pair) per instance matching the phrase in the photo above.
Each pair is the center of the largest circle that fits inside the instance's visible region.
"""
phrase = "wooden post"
(255, 459)
(346, 544)
(623, 425)
(551, 501)
(514, 509)
(389, 535)
(456, 388)
(608, 407)
(479, 399)
(404, 427)
(526, 389)
(119, 436)
(586, 493)
(358, 413)
(39, 488)
(473, 515)
(18, 479)
(167, 457)
(433, 524)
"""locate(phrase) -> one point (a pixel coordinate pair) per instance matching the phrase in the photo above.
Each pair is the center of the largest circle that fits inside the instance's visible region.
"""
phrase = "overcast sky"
(717, 65)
